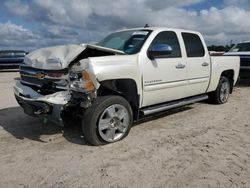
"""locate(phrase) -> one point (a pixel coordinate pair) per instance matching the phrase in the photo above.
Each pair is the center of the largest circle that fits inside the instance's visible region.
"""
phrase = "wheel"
(221, 94)
(108, 120)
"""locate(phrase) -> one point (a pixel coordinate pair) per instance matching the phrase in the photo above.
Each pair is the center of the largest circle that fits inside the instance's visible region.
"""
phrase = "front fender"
(116, 67)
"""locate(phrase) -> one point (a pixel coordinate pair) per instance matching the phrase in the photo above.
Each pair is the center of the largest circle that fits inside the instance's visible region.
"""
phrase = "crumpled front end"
(57, 96)
(58, 83)
(46, 106)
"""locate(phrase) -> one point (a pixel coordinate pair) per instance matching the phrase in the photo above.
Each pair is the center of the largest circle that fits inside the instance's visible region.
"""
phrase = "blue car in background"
(11, 59)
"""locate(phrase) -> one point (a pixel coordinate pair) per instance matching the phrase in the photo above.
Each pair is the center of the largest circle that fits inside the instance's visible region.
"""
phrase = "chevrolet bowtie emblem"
(39, 75)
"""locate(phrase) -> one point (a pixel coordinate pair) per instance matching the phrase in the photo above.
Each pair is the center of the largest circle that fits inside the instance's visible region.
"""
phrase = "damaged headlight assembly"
(81, 82)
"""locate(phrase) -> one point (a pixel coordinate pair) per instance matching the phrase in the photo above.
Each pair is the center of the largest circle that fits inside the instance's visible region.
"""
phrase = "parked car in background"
(243, 50)
(11, 59)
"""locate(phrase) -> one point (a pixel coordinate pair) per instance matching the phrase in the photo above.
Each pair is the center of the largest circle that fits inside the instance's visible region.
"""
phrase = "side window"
(193, 45)
(168, 38)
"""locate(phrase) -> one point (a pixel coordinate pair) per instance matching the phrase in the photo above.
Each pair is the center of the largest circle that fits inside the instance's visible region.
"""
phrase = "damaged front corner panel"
(47, 106)
(61, 97)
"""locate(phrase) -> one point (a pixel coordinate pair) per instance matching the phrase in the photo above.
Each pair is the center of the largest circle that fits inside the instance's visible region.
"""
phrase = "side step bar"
(171, 105)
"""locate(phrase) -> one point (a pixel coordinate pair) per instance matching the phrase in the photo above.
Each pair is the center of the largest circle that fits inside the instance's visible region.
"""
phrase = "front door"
(164, 78)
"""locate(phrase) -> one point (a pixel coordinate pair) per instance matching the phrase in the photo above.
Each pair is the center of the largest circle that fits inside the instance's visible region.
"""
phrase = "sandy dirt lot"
(201, 145)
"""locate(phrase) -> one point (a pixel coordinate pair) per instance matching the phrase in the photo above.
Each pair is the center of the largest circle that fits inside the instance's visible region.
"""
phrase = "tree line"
(220, 48)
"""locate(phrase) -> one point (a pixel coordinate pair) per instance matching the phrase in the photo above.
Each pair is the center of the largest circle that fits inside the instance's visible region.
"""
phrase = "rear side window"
(193, 45)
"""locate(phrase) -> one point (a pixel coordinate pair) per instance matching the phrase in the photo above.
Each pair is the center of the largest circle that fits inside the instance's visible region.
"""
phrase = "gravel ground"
(201, 145)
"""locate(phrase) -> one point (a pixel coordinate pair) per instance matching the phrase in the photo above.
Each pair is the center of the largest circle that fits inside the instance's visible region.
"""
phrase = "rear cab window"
(193, 45)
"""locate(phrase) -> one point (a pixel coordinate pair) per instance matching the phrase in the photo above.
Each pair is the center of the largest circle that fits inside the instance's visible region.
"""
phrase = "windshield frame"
(136, 50)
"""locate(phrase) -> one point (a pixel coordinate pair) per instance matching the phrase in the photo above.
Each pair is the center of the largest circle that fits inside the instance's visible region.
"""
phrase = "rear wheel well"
(230, 76)
(126, 88)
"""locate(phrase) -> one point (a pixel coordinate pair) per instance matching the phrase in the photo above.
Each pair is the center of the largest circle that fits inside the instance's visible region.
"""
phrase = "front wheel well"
(126, 88)
(229, 74)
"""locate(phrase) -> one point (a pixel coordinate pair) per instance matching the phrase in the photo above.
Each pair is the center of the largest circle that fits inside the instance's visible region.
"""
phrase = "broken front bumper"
(37, 105)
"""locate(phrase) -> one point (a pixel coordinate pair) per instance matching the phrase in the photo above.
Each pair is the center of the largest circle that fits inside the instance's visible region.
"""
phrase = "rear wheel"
(109, 119)
(221, 94)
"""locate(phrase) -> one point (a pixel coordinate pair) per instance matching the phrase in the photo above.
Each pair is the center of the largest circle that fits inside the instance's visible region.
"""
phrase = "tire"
(108, 120)
(221, 94)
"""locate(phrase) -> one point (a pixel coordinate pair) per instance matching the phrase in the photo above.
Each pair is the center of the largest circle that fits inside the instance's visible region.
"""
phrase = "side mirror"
(159, 50)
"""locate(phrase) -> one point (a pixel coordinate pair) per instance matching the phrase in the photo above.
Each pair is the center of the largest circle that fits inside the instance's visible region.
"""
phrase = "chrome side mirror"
(159, 51)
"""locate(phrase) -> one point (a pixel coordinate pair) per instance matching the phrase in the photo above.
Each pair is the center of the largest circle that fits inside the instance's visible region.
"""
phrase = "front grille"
(44, 81)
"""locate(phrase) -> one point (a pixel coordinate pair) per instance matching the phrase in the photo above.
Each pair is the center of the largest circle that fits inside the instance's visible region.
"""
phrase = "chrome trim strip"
(10, 64)
(62, 87)
(43, 76)
(244, 56)
(245, 67)
(177, 81)
(198, 81)
(37, 85)
(38, 75)
(28, 83)
(29, 71)
(165, 86)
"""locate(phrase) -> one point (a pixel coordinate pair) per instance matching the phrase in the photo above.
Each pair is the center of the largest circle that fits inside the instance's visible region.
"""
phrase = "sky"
(31, 24)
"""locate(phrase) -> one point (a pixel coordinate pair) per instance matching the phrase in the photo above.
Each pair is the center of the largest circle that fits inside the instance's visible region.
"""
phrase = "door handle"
(205, 64)
(180, 66)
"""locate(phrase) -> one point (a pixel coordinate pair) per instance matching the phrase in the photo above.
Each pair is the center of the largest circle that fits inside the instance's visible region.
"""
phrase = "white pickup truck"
(129, 74)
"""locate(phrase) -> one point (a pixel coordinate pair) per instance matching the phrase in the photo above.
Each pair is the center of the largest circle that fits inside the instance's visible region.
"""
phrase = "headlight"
(83, 84)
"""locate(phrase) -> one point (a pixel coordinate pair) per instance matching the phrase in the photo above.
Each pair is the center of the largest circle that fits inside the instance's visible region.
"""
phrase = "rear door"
(197, 63)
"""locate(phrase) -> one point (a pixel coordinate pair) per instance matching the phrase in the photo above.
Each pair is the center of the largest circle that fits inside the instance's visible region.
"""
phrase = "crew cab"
(129, 74)
(243, 51)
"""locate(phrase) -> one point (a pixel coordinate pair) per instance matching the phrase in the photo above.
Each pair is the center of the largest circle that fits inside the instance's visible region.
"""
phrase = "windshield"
(241, 47)
(130, 42)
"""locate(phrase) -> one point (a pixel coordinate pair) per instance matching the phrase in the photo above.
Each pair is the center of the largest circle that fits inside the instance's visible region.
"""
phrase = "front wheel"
(221, 94)
(109, 119)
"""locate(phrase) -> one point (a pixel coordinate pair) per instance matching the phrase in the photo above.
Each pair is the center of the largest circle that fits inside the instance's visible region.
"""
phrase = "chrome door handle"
(180, 66)
(205, 64)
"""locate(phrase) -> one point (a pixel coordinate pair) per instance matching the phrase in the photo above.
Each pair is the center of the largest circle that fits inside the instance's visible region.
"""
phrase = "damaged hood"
(59, 57)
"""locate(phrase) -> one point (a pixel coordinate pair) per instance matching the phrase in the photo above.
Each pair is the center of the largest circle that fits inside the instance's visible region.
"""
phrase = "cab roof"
(159, 29)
